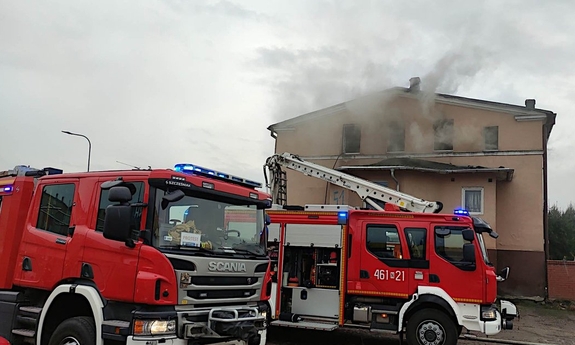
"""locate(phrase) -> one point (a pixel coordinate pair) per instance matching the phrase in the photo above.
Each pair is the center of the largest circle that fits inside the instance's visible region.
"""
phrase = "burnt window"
(443, 138)
(396, 137)
(56, 208)
(351, 138)
(137, 197)
(416, 241)
(383, 241)
(491, 138)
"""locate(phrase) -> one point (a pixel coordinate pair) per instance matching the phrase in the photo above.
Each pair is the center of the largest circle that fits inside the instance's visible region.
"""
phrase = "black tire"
(422, 324)
(79, 330)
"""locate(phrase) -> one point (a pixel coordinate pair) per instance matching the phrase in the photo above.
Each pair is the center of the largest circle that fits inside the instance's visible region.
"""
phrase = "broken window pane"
(396, 137)
(443, 135)
(351, 138)
(491, 136)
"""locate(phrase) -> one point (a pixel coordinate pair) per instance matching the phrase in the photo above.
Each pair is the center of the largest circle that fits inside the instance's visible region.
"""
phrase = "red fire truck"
(132, 257)
(398, 266)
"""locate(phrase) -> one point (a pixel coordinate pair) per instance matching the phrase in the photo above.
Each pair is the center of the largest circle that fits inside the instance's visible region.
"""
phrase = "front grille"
(214, 294)
(223, 281)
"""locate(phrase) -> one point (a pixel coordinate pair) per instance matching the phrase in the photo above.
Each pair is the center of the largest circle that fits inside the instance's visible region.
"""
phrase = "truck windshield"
(481, 242)
(218, 225)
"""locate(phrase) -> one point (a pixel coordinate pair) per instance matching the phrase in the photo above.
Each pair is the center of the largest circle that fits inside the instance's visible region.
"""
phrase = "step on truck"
(132, 257)
(394, 265)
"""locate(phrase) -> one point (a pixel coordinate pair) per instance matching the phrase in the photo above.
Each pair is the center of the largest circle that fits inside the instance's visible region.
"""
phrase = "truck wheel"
(79, 330)
(431, 327)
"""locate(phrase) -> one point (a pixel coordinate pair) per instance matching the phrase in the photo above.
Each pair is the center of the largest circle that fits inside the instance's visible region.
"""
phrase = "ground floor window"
(472, 199)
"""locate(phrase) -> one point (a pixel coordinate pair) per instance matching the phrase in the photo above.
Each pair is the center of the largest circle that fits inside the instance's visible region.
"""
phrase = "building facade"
(488, 157)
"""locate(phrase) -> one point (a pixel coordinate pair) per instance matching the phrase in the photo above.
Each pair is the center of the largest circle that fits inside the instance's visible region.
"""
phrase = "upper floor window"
(491, 138)
(443, 139)
(472, 199)
(351, 138)
(395, 137)
(56, 208)
(137, 197)
(383, 241)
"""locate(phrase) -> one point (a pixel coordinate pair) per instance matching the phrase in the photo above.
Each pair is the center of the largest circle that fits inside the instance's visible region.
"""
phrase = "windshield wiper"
(192, 249)
(247, 249)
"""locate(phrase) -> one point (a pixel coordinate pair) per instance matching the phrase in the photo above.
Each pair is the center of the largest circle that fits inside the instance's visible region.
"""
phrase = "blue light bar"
(6, 189)
(197, 170)
(341, 218)
(461, 212)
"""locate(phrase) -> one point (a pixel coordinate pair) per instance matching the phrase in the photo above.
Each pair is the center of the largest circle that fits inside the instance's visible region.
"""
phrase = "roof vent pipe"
(530, 103)
(415, 84)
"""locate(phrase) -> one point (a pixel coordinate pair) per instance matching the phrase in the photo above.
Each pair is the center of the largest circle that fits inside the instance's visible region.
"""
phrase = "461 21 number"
(398, 276)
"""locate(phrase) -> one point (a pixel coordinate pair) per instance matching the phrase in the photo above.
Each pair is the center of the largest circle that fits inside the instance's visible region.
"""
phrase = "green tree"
(561, 233)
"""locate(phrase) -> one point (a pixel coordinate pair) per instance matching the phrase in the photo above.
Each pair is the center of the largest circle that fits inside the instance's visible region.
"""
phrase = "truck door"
(45, 240)
(463, 282)
(113, 264)
(383, 267)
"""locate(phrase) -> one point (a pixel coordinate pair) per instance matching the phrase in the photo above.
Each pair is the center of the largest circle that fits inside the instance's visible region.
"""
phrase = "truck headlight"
(154, 327)
(489, 314)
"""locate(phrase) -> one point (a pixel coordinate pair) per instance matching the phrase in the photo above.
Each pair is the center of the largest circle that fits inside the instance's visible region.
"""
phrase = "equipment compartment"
(311, 281)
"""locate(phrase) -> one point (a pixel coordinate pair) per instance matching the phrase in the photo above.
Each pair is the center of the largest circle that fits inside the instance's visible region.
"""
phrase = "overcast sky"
(161, 82)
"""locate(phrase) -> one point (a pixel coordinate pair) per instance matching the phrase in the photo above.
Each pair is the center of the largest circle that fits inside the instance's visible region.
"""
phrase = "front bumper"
(222, 324)
(503, 319)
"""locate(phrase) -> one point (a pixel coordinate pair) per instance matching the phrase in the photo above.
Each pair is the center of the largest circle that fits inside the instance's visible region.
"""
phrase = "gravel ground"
(538, 323)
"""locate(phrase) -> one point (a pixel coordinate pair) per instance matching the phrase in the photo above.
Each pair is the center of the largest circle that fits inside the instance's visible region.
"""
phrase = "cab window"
(416, 242)
(383, 241)
(137, 196)
(55, 210)
(450, 247)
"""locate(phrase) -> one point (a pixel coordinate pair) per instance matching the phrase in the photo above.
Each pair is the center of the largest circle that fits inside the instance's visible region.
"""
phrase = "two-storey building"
(488, 157)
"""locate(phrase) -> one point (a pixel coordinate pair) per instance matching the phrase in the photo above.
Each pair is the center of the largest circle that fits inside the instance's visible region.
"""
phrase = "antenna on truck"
(133, 166)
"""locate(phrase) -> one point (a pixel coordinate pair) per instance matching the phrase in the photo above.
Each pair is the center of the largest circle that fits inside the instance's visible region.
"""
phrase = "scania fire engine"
(132, 257)
(396, 264)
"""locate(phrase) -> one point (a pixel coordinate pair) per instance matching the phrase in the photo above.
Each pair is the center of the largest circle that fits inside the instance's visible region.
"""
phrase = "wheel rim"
(430, 332)
(69, 341)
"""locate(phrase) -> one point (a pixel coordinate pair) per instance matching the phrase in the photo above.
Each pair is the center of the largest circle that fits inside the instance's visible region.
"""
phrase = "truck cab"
(136, 256)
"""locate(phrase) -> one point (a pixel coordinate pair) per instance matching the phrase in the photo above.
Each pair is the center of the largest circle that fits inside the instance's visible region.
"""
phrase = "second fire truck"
(400, 266)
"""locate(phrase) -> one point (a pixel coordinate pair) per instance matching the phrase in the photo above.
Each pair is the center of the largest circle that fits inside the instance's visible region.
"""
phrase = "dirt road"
(538, 323)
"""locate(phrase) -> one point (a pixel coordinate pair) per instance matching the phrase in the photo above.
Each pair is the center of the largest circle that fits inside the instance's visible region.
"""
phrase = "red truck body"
(390, 266)
(57, 240)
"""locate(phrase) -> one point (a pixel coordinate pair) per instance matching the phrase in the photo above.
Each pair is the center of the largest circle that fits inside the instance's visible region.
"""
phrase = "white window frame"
(482, 190)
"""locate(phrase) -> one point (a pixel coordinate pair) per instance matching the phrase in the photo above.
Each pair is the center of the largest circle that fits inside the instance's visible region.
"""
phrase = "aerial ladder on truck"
(368, 191)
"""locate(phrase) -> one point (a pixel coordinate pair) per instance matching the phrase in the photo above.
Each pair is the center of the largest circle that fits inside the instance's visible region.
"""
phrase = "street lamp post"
(89, 144)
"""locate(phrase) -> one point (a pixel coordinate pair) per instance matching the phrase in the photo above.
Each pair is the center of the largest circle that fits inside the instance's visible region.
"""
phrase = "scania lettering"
(227, 266)
(394, 265)
(132, 257)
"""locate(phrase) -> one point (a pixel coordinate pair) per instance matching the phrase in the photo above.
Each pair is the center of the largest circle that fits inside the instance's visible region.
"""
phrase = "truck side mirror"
(469, 253)
(117, 222)
(120, 194)
(468, 235)
(503, 275)
(172, 197)
(117, 225)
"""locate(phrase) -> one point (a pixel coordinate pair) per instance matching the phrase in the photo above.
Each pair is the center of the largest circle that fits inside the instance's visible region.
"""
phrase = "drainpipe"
(396, 181)
(545, 211)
